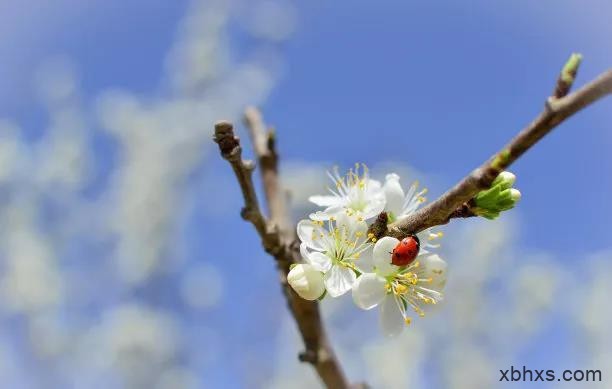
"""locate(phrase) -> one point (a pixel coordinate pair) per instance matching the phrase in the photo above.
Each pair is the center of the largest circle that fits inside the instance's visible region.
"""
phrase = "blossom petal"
(369, 290)
(310, 234)
(354, 225)
(394, 194)
(381, 255)
(364, 263)
(434, 267)
(319, 261)
(320, 216)
(391, 320)
(373, 185)
(304, 251)
(328, 213)
(374, 207)
(339, 280)
(325, 201)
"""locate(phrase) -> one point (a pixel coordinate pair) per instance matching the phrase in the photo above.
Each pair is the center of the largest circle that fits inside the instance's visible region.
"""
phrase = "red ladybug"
(406, 251)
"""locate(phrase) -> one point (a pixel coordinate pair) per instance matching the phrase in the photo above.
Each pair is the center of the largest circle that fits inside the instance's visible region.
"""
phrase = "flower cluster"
(340, 256)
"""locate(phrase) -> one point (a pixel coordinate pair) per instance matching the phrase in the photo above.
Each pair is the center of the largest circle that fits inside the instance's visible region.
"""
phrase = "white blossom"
(334, 250)
(355, 192)
(396, 289)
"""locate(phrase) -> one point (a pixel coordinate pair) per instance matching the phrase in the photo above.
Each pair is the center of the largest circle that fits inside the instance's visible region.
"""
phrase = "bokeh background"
(124, 262)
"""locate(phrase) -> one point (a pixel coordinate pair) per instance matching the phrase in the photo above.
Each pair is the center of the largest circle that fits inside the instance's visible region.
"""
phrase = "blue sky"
(435, 86)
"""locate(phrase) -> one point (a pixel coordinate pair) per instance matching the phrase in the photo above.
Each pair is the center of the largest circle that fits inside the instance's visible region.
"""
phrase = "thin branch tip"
(558, 108)
(567, 76)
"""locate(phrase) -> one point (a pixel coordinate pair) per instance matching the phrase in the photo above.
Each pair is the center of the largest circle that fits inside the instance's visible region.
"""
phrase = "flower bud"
(515, 195)
(505, 180)
(306, 281)
(498, 198)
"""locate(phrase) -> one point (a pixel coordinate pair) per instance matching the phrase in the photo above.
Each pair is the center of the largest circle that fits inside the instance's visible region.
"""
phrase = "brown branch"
(319, 351)
(264, 143)
(556, 111)
(229, 145)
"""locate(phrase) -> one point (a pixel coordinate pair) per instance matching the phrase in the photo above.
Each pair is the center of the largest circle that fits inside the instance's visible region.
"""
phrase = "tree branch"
(264, 143)
(557, 109)
(319, 351)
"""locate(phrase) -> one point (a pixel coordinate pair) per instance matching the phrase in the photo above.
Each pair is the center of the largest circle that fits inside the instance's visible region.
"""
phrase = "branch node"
(309, 356)
(248, 165)
(379, 227)
(225, 138)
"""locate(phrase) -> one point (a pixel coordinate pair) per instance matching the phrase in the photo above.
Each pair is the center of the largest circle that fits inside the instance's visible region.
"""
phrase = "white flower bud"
(515, 194)
(394, 194)
(306, 281)
(505, 179)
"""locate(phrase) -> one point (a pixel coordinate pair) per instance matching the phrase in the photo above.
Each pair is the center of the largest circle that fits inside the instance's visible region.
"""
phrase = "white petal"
(319, 261)
(394, 194)
(339, 280)
(364, 263)
(324, 201)
(360, 228)
(328, 213)
(353, 224)
(375, 206)
(382, 255)
(373, 185)
(320, 216)
(304, 251)
(369, 290)
(310, 234)
(391, 320)
(434, 267)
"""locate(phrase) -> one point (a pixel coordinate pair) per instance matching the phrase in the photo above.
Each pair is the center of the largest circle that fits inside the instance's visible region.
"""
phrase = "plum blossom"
(398, 289)
(334, 249)
(356, 193)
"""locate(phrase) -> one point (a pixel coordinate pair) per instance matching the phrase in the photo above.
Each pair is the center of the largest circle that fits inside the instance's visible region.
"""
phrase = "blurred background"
(116, 266)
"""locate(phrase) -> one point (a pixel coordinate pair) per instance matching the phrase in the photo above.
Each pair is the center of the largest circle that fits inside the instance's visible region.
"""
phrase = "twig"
(556, 111)
(319, 351)
(264, 143)
(229, 145)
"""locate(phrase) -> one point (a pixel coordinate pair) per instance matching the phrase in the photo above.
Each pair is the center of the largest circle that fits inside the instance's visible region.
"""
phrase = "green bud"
(505, 179)
(515, 195)
(498, 198)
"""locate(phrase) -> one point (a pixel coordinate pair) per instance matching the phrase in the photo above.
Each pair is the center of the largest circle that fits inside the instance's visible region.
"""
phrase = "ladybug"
(406, 251)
